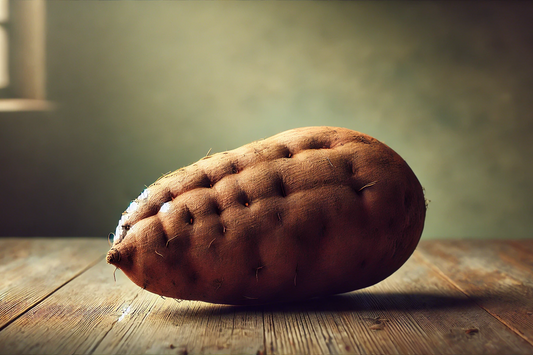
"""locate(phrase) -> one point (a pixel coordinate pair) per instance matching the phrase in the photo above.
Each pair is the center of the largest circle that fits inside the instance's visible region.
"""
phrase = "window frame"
(27, 57)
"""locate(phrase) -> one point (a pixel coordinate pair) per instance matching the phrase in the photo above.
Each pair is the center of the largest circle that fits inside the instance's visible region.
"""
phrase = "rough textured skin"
(309, 212)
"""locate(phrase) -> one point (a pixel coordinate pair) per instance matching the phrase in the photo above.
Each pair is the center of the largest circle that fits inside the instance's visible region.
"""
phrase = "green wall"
(143, 88)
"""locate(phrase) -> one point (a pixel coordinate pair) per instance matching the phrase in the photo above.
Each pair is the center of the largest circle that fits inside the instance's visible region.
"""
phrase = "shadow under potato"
(356, 302)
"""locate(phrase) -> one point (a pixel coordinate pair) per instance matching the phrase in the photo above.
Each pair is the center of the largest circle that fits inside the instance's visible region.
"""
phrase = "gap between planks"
(44, 297)
(459, 288)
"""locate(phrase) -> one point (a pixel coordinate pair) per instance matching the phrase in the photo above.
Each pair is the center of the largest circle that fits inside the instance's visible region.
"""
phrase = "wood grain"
(497, 275)
(421, 309)
(33, 268)
(415, 311)
(93, 314)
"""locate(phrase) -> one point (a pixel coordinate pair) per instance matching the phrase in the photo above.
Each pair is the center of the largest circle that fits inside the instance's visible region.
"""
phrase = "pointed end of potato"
(113, 257)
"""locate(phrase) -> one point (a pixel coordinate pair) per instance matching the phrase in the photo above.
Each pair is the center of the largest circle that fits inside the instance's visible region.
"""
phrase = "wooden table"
(58, 296)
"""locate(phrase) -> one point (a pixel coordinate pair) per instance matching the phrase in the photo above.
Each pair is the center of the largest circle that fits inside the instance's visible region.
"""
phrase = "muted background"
(143, 88)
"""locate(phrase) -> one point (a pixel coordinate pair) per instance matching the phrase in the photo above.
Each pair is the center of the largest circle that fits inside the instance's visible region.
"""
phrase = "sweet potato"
(309, 212)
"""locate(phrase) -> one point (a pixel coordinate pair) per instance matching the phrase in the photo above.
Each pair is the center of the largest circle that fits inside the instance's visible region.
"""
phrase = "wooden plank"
(497, 275)
(188, 327)
(33, 268)
(415, 311)
(93, 314)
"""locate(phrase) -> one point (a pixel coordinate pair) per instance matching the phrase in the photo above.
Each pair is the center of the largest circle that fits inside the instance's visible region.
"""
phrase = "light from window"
(4, 44)
(4, 10)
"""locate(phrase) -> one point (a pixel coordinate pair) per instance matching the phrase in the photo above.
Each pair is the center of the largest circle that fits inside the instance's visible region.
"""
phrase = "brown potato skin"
(309, 212)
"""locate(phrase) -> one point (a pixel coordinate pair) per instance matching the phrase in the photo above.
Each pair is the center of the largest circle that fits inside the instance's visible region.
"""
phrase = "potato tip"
(113, 257)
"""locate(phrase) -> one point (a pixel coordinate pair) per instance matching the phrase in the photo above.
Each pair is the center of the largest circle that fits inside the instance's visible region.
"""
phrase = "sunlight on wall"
(4, 44)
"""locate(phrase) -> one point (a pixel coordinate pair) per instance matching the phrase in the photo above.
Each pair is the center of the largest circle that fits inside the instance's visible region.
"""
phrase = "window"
(4, 46)
(22, 56)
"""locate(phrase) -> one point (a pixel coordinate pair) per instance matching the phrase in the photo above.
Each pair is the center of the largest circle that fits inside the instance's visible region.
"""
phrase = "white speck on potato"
(165, 207)
(143, 195)
(132, 207)
(119, 232)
